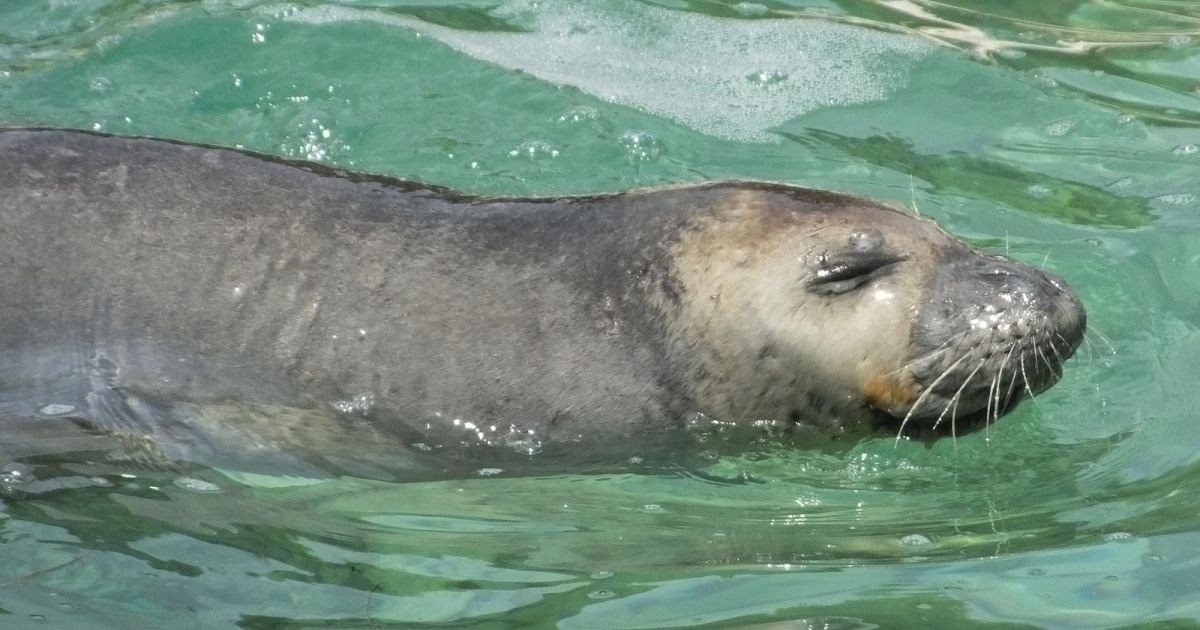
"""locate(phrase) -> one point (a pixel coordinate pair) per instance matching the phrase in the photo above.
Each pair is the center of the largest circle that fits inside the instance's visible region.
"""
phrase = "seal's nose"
(984, 311)
(1016, 300)
(1065, 309)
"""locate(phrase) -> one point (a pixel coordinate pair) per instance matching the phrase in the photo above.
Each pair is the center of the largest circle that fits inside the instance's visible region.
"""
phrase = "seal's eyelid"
(835, 276)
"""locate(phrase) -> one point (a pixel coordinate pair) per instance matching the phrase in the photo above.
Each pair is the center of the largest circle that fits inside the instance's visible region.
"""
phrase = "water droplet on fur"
(1124, 119)
(56, 409)
(652, 508)
(361, 404)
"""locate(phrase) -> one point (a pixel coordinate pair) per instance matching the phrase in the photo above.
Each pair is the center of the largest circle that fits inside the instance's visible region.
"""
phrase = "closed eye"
(843, 275)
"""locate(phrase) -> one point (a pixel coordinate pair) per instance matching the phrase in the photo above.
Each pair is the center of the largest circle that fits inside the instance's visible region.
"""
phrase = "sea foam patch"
(730, 78)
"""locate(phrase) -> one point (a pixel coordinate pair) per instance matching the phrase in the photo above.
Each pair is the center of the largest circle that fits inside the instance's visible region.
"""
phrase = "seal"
(148, 282)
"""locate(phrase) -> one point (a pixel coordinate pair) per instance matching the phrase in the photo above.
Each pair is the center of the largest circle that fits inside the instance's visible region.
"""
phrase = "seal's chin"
(1001, 331)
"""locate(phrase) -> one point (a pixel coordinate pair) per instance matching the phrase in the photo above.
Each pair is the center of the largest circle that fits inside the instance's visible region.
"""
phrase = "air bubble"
(534, 150)
(1176, 199)
(764, 78)
(1038, 191)
(1044, 79)
(197, 485)
(15, 472)
(658, 60)
(100, 84)
(916, 540)
(1119, 537)
(1186, 149)
(579, 114)
(601, 594)
(489, 472)
(1178, 41)
(1059, 128)
(750, 9)
(641, 146)
(310, 138)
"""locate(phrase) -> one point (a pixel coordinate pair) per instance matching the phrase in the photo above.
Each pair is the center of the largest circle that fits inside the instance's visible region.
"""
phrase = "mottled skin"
(142, 277)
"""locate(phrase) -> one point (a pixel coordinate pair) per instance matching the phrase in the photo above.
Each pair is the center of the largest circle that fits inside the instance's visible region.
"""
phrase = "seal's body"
(155, 276)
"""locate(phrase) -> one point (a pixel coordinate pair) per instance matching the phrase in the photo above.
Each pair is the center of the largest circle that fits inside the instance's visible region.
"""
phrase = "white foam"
(701, 71)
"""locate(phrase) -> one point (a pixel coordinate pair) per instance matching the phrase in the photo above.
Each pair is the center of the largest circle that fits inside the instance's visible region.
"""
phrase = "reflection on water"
(1061, 133)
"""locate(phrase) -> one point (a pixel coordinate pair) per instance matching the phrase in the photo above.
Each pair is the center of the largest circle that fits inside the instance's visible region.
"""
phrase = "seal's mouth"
(997, 331)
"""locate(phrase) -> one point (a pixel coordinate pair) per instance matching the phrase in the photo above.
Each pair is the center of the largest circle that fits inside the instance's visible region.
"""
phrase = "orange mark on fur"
(885, 393)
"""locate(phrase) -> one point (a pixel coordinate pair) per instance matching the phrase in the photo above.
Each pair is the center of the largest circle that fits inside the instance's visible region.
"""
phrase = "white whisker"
(1092, 329)
(912, 191)
(1025, 378)
(921, 398)
(957, 395)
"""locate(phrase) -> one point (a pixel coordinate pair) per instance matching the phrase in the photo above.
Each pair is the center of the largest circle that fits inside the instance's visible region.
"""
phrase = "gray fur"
(169, 275)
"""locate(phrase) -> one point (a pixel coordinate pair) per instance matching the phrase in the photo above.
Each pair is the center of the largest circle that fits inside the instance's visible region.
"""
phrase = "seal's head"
(841, 310)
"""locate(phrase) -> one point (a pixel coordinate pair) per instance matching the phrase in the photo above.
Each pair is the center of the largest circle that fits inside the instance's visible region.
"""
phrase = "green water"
(1065, 133)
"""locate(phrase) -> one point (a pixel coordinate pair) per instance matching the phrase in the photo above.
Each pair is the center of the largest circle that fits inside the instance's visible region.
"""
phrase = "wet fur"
(157, 275)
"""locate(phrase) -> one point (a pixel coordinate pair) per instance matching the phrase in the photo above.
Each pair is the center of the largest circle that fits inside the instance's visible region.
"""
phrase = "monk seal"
(144, 276)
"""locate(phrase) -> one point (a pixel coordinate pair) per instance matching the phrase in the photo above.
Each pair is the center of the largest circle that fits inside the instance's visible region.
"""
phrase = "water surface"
(1066, 134)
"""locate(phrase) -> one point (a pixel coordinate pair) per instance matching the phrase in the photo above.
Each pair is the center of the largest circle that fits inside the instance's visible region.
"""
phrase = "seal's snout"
(993, 330)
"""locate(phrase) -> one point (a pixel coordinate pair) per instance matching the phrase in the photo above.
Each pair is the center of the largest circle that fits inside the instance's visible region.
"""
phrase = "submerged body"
(145, 281)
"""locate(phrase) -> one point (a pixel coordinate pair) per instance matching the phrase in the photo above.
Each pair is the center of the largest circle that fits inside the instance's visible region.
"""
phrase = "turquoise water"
(1066, 134)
